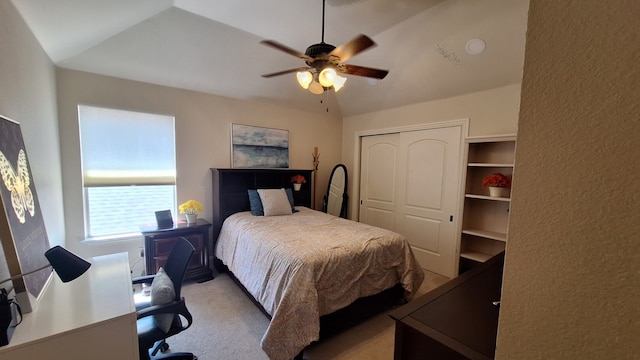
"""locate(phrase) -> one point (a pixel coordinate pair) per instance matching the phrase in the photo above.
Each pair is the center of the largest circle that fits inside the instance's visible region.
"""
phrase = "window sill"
(114, 238)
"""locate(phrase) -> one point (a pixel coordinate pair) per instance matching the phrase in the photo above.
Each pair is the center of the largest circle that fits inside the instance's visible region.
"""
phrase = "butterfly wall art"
(22, 230)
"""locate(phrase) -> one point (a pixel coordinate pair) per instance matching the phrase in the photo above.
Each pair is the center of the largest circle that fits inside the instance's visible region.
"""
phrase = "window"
(128, 168)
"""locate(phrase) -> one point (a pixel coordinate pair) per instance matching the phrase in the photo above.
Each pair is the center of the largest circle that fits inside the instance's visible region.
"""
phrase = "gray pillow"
(162, 292)
(275, 202)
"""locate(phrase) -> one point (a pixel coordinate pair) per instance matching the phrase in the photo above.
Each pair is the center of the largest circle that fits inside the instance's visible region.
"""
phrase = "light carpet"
(228, 325)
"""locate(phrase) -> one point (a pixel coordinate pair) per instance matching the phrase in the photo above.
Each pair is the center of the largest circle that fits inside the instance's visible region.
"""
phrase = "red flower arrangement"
(497, 180)
(298, 179)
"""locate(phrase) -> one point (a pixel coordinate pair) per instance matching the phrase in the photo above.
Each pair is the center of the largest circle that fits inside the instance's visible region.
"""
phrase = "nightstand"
(159, 242)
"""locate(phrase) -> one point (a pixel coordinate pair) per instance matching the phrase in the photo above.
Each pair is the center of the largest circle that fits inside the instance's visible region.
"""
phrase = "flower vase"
(495, 191)
(191, 218)
(297, 186)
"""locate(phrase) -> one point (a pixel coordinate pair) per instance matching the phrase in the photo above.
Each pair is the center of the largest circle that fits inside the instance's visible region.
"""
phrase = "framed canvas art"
(22, 231)
(259, 147)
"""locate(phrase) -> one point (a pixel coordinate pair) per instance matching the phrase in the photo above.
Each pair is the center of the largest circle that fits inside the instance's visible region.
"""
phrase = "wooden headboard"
(230, 190)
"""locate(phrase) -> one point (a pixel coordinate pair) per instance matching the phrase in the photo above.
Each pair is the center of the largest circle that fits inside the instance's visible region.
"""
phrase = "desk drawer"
(162, 245)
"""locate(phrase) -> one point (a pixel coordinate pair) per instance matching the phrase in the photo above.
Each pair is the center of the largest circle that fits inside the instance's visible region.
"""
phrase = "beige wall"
(202, 137)
(571, 284)
(489, 112)
(27, 95)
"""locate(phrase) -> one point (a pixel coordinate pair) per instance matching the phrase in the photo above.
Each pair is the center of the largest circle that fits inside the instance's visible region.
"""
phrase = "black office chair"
(150, 335)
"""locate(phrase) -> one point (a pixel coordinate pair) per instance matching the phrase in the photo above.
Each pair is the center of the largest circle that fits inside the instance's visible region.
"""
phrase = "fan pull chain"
(322, 101)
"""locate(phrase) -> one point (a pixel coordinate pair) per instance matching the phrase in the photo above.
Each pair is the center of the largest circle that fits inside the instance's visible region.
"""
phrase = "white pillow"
(275, 202)
(162, 292)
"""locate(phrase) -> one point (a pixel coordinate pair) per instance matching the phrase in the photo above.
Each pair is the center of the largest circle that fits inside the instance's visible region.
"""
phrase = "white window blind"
(128, 167)
(126, 148)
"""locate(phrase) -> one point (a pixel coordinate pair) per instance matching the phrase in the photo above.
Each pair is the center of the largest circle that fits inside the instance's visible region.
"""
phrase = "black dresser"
(457, 320)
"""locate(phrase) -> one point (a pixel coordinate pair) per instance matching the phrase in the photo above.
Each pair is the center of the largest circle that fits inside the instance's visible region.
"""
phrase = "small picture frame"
(164, 219)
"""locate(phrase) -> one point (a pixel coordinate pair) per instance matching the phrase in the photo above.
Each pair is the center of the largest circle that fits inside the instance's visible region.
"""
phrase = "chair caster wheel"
(164, 347)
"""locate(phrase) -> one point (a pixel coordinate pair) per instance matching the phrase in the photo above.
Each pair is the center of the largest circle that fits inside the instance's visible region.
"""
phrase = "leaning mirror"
(335, 200)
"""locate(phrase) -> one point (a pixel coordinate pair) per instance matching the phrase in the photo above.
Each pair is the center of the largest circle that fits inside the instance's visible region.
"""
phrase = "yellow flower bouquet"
(191, 207)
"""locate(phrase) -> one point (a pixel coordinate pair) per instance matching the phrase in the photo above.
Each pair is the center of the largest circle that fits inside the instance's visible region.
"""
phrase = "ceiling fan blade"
(283, 72)
(276, 45)
(357, 45)
(364, 71)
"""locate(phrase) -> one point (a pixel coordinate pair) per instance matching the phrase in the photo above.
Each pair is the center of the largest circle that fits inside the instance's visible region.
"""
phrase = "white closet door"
(410, 184)
(378, 180)
(428, 188)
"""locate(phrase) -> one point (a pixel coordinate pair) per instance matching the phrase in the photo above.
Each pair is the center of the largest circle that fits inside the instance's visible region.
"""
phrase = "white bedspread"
(309, 264)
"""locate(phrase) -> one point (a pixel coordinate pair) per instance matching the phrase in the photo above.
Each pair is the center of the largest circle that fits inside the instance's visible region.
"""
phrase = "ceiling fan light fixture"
(324, 61)
(327, 77)
(316, 88)
(304, 78)
(339, 82)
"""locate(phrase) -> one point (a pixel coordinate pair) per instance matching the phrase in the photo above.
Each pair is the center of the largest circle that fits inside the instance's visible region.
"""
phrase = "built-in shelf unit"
(485, 218)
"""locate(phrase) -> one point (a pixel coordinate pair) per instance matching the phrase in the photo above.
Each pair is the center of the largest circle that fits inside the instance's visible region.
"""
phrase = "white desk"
(91, 317)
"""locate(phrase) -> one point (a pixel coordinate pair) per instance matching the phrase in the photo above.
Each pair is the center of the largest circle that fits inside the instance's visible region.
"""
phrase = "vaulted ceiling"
(214, 46)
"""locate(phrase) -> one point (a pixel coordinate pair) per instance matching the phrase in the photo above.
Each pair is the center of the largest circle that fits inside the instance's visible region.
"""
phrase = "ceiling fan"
(324, 62)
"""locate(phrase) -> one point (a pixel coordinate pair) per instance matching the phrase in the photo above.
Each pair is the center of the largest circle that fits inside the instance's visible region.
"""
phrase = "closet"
(410, 182)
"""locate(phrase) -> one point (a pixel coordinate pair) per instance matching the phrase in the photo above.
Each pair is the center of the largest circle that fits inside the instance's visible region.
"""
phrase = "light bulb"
(339, 83)
(327, 77)
(316, 88)
(304, 78)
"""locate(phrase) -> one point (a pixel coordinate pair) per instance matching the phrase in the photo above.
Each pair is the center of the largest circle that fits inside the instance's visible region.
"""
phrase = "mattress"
(308, 264)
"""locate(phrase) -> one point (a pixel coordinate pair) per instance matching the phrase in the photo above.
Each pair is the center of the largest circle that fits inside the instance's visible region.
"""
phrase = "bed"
(305, 265)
